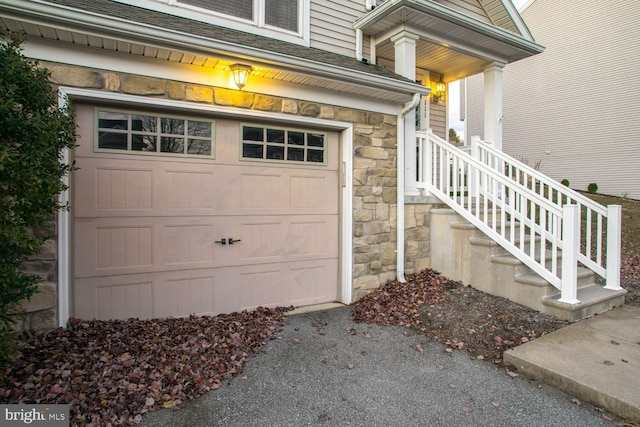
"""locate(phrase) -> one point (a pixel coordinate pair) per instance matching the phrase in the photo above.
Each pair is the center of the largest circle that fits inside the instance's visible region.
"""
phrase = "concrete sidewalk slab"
(597, 360)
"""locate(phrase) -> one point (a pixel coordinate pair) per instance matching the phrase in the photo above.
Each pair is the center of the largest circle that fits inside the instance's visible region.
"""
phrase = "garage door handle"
(231, 241)
(222, 242)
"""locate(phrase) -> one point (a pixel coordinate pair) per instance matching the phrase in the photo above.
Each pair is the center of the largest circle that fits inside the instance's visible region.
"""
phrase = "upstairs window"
(286, 20)
(281, 14)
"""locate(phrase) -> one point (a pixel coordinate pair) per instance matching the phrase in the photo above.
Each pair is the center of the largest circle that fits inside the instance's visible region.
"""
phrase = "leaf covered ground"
(111, 372)
(459, 316)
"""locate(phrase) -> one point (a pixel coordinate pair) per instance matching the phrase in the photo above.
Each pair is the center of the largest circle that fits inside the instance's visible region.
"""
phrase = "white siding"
(468, 7)
(474, 122)
(438, 119)
(332, 25)
(575, 107)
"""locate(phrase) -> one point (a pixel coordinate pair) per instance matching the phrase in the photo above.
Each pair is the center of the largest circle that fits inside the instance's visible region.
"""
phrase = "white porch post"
(493, 104)
(405, 57)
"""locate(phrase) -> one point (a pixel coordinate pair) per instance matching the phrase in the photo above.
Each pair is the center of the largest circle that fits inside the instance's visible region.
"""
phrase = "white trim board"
(345, 129)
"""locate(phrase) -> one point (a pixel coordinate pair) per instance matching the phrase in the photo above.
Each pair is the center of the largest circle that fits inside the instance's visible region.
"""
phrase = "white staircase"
(510, 231)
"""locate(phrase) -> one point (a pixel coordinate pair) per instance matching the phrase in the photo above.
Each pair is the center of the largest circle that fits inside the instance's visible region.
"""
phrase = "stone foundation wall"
(374, 214)
(39, 313)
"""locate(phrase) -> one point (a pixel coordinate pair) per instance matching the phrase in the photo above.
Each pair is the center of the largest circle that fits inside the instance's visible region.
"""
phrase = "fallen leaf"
(295, 341)
(323, 417)
(448, 350)
(512, 374)
(480, 357)
(452, 386)
(615, 342)
(466, 409)
(350, 366)
(609, 363)
(576, 401)
(419, 348)
(495, 403)
(169, 404)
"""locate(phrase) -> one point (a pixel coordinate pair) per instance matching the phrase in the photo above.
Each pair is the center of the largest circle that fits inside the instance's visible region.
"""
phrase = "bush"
(33, 133)
(565, 182)
(592, 188)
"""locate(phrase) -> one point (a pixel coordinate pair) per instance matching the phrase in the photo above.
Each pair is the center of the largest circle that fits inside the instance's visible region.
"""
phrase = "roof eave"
(40, 12)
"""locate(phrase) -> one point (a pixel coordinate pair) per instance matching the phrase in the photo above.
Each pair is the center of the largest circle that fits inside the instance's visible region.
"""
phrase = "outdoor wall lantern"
(240, 74)
(440, 92)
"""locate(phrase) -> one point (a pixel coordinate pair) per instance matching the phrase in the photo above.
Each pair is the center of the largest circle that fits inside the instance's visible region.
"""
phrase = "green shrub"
(33, 133)
(565, 182)
(592, 188)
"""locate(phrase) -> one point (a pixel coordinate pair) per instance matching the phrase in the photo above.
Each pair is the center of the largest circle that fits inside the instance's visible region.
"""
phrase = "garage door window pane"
(296, 138)
(197, 128)
(171, 145)
(315, 156)
(112, 141)
(315, 140)
(275, 153)
(252, 151)
(109, 120)
(148, 133)
(252, 134)
(144, 123)
(295, 154)
(199, 146)
(172, 126)
(275, 135)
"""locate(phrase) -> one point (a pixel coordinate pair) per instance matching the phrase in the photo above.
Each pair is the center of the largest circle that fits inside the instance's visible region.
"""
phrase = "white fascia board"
(453, 16)
(517, 20)
(69, 19)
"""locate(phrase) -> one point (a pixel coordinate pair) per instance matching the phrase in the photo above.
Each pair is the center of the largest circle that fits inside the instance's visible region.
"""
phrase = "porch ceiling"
(450, 43)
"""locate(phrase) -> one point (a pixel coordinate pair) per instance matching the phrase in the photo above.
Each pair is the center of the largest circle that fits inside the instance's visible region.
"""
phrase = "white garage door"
(177, 215)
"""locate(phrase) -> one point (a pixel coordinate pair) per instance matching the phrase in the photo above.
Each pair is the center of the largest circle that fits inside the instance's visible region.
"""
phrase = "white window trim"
(345, 129)
(256, 26)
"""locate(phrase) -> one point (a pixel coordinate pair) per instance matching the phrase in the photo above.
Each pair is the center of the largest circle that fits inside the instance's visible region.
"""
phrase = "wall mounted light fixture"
(440, 92)
(240, 74)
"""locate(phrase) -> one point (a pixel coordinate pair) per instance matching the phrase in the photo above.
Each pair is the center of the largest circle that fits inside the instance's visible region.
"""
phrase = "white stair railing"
(533, 217)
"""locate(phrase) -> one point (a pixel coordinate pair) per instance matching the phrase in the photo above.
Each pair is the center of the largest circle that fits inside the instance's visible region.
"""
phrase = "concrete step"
(594, 299)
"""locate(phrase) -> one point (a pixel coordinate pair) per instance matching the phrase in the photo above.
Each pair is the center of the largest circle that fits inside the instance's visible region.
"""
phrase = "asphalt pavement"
(327, 370)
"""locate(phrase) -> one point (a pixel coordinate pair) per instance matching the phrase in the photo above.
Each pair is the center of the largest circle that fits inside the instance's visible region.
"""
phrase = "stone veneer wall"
(40, 312)
(374, 204)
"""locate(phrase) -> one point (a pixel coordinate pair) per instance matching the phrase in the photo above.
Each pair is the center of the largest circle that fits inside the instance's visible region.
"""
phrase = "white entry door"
(178, 218)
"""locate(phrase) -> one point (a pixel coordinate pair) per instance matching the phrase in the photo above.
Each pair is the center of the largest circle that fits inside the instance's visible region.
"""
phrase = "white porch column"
(405, 57)
(493, 104)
